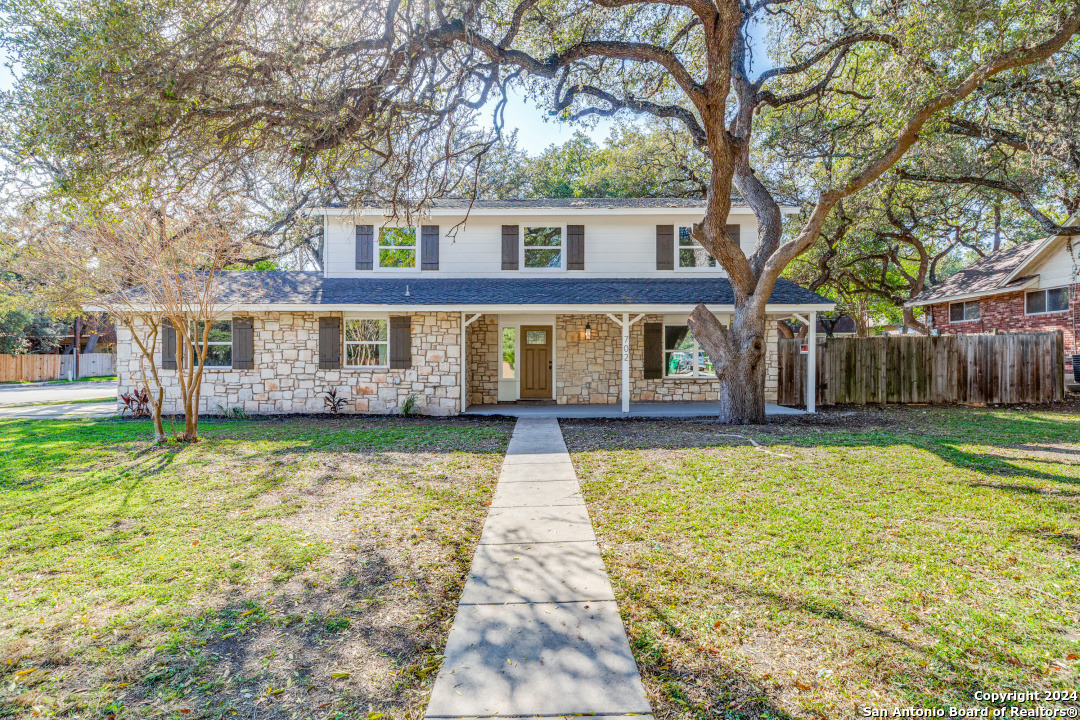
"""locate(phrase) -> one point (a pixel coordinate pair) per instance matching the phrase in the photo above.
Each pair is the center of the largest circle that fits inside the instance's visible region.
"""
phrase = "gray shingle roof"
(985, 276)
(574, 203)
(249, 287)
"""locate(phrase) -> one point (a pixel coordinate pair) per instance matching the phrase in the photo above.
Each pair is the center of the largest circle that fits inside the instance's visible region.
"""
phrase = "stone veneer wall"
(1005, 313)
(587, 371)
(287, 379)
(484, 354)
(590, 371)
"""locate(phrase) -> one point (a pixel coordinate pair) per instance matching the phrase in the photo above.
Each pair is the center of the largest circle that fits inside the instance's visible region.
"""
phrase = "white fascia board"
(538, 212)
(968, 296)
(1048, 245)
(519, 309)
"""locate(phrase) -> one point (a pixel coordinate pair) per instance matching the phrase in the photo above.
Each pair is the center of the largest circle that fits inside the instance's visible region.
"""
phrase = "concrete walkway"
(537, 631)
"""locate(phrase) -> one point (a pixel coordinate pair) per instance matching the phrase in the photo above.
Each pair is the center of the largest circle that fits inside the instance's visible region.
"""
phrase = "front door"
(536, 361)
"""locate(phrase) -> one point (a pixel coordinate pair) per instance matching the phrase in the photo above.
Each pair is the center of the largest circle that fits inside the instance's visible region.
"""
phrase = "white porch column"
(626, 363)
(462, 366)
(465, 323)
(811, 362)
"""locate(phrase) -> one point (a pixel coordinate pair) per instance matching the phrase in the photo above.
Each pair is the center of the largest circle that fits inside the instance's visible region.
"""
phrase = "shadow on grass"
(343, 648)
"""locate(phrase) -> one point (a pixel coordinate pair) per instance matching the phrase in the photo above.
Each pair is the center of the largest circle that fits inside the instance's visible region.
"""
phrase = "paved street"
(56, 392)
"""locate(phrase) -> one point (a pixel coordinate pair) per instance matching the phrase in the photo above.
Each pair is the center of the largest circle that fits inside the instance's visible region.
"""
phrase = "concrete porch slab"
(537, 659)
(655, 410)
(540, 573)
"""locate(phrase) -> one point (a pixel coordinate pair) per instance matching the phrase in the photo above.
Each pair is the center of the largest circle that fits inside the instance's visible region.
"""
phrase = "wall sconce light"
(588, 331)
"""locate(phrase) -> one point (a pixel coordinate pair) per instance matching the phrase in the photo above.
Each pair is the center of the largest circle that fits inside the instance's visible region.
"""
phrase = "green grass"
(93, 378)
(319, 561)
(908, 557)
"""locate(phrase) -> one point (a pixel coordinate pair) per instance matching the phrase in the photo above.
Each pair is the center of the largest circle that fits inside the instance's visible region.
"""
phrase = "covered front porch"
(592, 362)
(637, 409)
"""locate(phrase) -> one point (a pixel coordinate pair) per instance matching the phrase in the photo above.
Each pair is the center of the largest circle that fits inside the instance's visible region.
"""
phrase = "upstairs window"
(543, 247)
(1040, 302)
(218, 343)
(367, 342)
(691, 254)
(964, 311)
(683, 357)
(397, 247)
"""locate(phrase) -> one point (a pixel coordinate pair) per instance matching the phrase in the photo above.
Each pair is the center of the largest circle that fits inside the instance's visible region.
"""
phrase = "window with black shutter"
(329, 343)
(400, 342)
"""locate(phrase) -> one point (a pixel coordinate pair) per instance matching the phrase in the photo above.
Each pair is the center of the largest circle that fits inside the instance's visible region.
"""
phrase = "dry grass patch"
(287, 569)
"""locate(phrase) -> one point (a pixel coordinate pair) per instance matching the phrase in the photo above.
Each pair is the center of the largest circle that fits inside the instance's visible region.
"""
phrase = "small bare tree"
(149, 267)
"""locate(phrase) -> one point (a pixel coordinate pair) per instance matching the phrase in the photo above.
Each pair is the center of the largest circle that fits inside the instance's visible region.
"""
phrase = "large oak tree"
(394, 87)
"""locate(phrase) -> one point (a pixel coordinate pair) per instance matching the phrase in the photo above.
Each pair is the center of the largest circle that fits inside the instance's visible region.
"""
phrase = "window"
(536, 337)
(964, 311)
(683, 357)
(218, 343)
(543, 247)
(1038, 302)
(691, 254)
(509, 353)
(397, 247)
(367, 342)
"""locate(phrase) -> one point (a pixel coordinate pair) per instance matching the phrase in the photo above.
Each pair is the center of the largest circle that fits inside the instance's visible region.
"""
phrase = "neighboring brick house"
(576, 301)
(1033, 287)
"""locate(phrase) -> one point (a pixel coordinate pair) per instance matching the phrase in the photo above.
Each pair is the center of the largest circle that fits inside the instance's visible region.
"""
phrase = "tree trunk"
(738, 355)
(191, 418)
(742, 392)
(159, 426)
(911, 321)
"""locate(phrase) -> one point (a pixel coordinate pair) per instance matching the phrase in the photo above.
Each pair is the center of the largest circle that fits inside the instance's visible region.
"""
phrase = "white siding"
(1061, 268)
(615, 245)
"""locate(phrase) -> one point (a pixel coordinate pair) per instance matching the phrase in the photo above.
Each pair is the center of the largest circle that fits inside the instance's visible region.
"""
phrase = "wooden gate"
(993, 369)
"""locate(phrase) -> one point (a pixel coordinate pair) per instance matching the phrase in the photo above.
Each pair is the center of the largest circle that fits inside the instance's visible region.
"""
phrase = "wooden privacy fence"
(1007, 368)
(29, 368)
(90, 365)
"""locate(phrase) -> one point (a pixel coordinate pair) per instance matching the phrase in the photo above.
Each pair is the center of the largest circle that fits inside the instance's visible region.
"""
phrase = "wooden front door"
(536, 361)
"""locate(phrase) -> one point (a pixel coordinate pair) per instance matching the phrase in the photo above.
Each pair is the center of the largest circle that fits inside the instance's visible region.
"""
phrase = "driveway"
(51, 392)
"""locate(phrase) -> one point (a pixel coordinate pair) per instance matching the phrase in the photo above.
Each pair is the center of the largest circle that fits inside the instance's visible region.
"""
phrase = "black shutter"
(365, 246)
(654, 351)
(429, 247)
(329, 343)
(735, 233)
(575, 247)
(243, 343)
(168, 345)
(665, 247)
(400, 342)
(509, 247)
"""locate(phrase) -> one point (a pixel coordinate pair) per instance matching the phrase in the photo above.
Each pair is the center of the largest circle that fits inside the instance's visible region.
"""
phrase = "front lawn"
(296, 568)
(900, 557)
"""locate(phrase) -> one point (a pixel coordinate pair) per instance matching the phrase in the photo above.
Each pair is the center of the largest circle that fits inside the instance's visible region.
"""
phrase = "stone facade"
(286, 377)
(590, 371)
(484, 351)
(1005, 313)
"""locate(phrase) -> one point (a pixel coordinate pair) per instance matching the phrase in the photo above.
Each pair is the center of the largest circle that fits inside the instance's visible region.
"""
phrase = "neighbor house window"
(397, 247)
(1053, 300)
(367, 342)
(691, 254)
(964, 311)
(543, 247)
(509, 353)
(683, 357)
(218, 343)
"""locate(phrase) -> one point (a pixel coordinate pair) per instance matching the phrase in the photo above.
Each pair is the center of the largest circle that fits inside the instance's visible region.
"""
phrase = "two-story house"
(569, 301)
